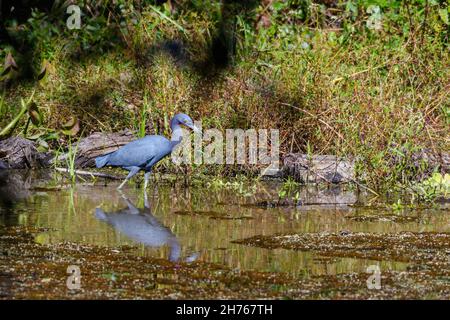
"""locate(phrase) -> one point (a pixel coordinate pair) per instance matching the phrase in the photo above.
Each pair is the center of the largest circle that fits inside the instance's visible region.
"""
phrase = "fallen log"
(20, 153)
(97, 144)
(318, 168)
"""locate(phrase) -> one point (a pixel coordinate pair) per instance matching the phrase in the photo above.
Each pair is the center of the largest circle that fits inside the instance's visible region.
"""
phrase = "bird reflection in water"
(142, 227)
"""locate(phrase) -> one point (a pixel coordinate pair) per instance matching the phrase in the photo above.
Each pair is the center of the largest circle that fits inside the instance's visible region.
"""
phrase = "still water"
(196, 222)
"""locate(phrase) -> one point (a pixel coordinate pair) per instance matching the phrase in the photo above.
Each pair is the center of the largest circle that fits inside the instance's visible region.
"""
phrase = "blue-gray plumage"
(144, 153)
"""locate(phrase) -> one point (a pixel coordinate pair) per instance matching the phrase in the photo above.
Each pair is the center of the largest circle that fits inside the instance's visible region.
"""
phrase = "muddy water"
(180, 223)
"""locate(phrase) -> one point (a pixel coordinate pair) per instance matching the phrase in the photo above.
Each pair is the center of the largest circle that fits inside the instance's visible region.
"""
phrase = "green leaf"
(71, 127)
(278, 5)
(443, 13)
(35, 114)
(36, 136)
(43, 71)
(51, 136)
(351, 7)
(8, 130)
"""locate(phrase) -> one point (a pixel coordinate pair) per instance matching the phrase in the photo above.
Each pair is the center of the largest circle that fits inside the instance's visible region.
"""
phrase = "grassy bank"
(336, 77)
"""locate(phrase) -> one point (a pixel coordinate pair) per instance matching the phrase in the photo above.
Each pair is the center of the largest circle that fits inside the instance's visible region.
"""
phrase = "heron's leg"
(133, 171)
(146, 178)
(121, 185)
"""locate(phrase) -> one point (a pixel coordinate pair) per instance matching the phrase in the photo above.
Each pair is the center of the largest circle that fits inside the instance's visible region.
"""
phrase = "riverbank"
(295, 169)
(325, 75)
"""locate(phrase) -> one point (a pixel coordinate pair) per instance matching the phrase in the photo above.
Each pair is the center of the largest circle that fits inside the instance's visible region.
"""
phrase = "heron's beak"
(192, 127)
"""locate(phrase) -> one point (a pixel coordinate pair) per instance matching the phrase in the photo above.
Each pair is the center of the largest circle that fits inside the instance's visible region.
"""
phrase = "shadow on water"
(142, 227)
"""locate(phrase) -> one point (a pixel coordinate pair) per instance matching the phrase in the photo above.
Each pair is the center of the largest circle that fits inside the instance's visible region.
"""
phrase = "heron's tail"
(101, 161)
(100, 214)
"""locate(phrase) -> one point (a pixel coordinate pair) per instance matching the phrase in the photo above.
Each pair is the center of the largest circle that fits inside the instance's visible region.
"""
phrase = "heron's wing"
(163, 152)
(140, 153)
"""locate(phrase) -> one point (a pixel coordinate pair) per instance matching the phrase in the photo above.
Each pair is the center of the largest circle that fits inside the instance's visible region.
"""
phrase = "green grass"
(378, 96)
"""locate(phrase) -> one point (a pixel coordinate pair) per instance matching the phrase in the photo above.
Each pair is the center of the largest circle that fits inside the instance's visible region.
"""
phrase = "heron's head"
(183, 120)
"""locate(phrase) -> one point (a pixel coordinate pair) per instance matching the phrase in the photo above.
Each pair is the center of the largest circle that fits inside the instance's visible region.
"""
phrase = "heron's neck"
(177, 134)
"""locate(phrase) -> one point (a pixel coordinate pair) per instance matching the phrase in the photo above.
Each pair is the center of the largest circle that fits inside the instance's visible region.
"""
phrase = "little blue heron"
(144, 153)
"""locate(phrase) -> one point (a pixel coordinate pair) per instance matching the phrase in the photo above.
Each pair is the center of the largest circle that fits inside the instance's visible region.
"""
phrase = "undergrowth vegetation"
(366, 79)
